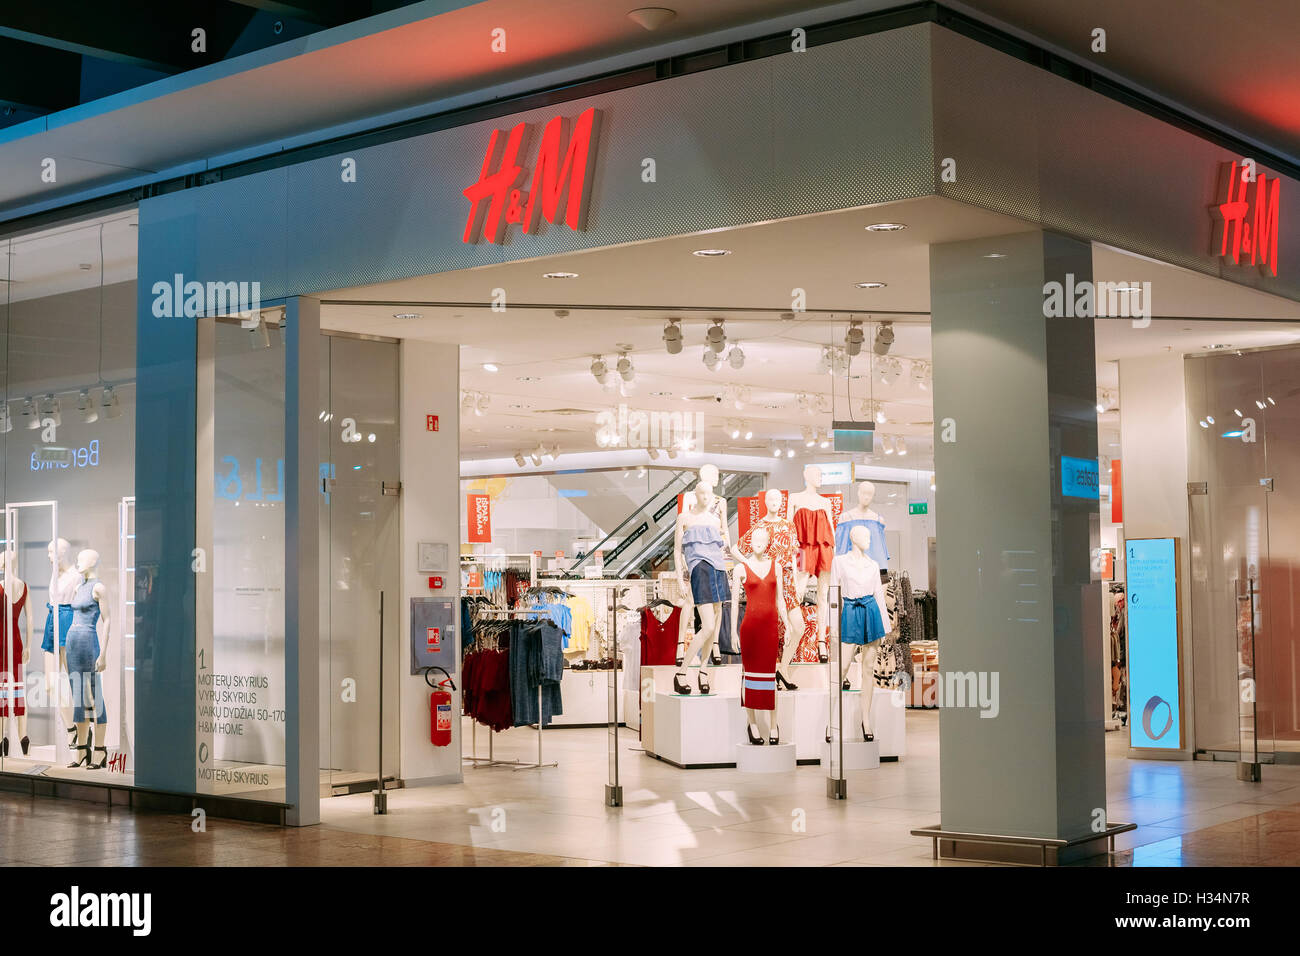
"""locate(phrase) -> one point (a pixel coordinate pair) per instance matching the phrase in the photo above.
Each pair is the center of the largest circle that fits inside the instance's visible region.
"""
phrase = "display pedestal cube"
(586, 699)
(858, 754)
(694, 732)
(888, 720)
(801, 717)
(765, 758)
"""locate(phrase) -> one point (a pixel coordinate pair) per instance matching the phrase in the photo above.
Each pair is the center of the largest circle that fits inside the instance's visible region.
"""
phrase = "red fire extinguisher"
(440, 715)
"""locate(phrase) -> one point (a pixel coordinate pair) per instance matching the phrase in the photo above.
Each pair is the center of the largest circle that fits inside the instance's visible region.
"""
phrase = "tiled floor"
(1189, 814)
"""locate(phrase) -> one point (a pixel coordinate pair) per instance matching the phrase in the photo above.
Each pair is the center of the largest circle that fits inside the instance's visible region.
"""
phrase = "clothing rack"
(514, 614)
(502, 562)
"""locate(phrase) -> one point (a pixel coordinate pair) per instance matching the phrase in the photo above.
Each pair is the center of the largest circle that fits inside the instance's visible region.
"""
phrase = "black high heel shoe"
(754, 739)
(101, 762)
(703, 680)
(783, 684)
(776, 736)
(823, 653)
(679, 685)
(24, 743)
(72, 737)
(4, 747)
(866, 736)
(845, 685)
(84, 759)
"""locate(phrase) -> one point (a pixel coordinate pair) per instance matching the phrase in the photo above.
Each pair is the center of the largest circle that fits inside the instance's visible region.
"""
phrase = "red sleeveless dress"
(758, 641)
(13, 699)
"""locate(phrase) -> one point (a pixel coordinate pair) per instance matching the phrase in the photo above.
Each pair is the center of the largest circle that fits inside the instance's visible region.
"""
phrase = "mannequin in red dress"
(15, 650)
(763, 578)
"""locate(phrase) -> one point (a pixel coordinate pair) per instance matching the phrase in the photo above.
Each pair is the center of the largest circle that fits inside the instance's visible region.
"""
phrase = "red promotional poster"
(1116, 492)
(748, 511)
(837, 508)
(479, 509)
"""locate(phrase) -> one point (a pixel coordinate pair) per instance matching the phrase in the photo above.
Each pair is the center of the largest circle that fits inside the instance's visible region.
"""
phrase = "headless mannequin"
(760, 564)
(866, 653)
(63, 584)
(709, 475)
(866, 492)
(13, 671)
(701, 511)
(791, 617)
(813, 500)
(86, 563)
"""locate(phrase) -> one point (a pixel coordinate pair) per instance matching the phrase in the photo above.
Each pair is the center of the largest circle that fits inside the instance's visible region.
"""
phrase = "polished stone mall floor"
(1189, 814)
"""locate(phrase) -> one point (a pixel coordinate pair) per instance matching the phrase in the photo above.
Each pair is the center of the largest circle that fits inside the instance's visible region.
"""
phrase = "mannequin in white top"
(700, 510)
(858, 576)
(12, 671)
(64, 581)
(760, 564)
(709, 475)
(863, 512)
(811, 499)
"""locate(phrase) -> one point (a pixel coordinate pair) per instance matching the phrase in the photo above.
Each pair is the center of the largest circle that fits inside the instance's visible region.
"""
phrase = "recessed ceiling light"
(1218, 346)
(407, 315)
(491, 367)
(662, 394)
(886, 227)
(527, 378)
(559, 275)
(711, 253)
(871, 285)
(995, 255)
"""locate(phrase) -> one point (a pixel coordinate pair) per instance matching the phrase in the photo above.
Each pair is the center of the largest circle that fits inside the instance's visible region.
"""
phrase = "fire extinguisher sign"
(433, 639)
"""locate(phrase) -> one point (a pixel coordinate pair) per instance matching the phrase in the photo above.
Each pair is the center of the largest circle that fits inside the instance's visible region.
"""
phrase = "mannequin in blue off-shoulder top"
(863, 516)
(699, 549)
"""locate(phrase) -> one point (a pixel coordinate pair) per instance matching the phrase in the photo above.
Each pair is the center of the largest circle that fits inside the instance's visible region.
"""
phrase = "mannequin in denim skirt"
(699, 546)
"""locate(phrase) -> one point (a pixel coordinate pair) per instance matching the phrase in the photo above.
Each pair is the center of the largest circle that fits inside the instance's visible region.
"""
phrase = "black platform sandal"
(24, 743)
(823, 653)
(783, 684)
(754, 738)
(679, 685)
(84, 759)
(72, 737)
(4, 746)
(703, 680)
(102, 762)
(776, 736)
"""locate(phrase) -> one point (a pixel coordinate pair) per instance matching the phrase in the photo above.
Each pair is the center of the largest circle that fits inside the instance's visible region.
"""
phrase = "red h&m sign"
(479, 509)
(1248, 221)
(561, 179)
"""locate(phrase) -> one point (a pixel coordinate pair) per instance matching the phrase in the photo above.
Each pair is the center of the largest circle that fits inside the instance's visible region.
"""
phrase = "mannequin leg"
(82, 756)
(753, 727)
(847, 653)
(869, 653)
(702, 643)
(823, 596)
(56, 681)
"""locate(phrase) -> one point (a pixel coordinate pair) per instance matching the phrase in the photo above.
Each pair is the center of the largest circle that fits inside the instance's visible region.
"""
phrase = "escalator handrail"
(681, 478)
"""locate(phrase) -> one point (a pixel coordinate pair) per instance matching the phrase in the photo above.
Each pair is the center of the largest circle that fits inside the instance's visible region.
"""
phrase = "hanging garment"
(877, 550)
(582, 617)
(659, 638)
(13, 689)
(758, 641)
(816, 541)
(82, 653)
(536, 661)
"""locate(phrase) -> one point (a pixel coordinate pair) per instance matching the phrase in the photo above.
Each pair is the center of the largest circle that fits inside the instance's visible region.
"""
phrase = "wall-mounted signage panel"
(1154, 644)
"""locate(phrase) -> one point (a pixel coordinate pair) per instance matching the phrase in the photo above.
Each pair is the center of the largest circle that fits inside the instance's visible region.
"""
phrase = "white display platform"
(858, 754)
(765, 758)
(888, 720)
(585, 696)
(692, 732)
(801, 717)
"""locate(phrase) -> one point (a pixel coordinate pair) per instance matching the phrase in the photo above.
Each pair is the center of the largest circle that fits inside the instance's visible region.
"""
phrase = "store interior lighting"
(673, 336)
(85, 406)
(884, 338)
(736, 357)
(30, 418)
(711, 360)
(901, 446)
(519, 459)
(716, 337)
(109, 403)
(6, 423)
(853, 337)
(599, 370)
(625, 369)
(749, 432)
(921, 375)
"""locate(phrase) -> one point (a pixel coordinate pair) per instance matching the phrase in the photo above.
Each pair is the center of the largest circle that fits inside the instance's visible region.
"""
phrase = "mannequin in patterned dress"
(15, 652)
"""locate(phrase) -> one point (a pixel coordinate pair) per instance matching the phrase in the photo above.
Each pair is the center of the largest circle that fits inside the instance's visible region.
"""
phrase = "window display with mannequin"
(64, 581)
(762, 577)
(699, 548)
(813, 523)
(15, 650)
(862, 620)
(87, 655)
(783, 546)
(862, 516)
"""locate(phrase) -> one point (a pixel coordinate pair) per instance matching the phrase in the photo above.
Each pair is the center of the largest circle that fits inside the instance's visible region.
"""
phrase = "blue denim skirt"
(65, 622)
(708, 584)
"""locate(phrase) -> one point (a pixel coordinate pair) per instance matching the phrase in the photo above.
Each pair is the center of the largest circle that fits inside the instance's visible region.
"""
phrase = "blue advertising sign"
(1155, 692)
(1080, 478)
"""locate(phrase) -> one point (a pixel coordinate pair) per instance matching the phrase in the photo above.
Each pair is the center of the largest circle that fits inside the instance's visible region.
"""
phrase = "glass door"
(360, 551)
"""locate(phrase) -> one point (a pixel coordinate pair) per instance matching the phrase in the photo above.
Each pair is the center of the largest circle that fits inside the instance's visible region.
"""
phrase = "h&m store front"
(1051, 303)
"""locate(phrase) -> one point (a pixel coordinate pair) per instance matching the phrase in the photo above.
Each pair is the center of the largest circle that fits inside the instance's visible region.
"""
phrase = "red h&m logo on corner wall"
(562, 178)
(1248, 218)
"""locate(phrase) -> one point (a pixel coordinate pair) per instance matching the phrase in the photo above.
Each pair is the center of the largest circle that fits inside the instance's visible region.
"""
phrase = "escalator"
(642, 543)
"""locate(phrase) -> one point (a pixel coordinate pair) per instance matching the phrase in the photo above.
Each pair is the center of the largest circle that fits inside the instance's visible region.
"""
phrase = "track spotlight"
(599, 370)
(711, 360)
(6, 423)
(901, 446)
(653, 453)
(51, 409)
(824, 362)
(853, 337)
(673, 336)
(884, 338)
(672, 452)
(749, 432)
(625, 369)
(519, 458)
(921, 375)
(481, 402)
(554, 452)
(86, 406)
(110, 404)
(789, 452)
(716, 337)
(733, 428)
(888, 370)
(736, 358)
(32, 420)
(259, 337)
(776, 451)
